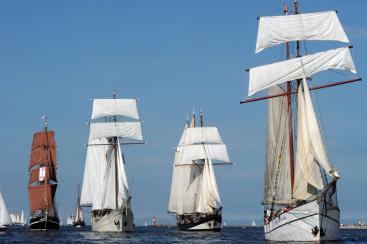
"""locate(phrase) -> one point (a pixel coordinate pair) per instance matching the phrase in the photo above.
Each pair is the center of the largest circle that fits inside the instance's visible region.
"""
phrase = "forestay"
(265, 76)
(274, 30)
(113, 107)
(131, 130)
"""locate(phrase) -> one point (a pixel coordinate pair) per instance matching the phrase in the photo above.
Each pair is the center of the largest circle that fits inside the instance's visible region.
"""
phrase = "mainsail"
(105, 183)
(42, 170)
(194, 188)
(277, 171)
(4, 214)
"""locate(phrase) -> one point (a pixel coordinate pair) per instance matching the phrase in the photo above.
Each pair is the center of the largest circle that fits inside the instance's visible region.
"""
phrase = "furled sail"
(115, 107)
(274, 30)
(4, 213)
(311, 157)
(265, 76)
(277, 165)
(42, 169)
(131, 130)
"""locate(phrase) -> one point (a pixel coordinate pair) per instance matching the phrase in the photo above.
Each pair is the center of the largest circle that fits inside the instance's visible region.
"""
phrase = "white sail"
(197, 152)
(277, 165)
(94, 167)
(113, 107)
(265, 76)
(123, 184)
(185, 189)
(209, 199)
(311, 152)
(105, 196)
(22, 220)
(70, 220)
(4, 214)
(201, 135)
(274, 30)
(131, 130)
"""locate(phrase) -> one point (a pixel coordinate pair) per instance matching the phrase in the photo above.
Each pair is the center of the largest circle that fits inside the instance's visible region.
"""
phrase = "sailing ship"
(300, 195)
(43, 181)
(78, 221)
(194, 197)
(105, 187)
(4, 214)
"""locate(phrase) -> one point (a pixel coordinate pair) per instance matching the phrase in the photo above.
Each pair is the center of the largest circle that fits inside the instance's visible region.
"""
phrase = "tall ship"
(300, 188)
(78, 221)
(4, 215)
(194, 197)
(105, 187)
(43, 181)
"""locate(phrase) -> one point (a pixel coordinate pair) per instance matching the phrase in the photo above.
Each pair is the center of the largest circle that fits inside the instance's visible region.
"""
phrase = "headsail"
(311, 152)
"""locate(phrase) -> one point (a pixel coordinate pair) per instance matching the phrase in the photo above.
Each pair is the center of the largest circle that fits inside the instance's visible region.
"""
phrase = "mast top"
(44, 118)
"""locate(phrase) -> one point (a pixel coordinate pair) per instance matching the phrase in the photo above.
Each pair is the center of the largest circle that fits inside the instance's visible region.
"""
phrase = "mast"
(78, 206)
(116, 168)
(48, 165)
(290, 122)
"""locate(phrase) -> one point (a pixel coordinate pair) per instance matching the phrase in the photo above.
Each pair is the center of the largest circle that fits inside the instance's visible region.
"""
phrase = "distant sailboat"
(78, 221)
(300, 194)
(105, 186)
(70, 220)
(43, 181)
(194, 197)
(4, 214)
(253, 223)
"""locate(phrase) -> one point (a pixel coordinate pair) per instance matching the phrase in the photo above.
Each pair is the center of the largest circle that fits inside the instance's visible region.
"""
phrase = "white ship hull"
(118, 220)
(207, 226)
(308, 222)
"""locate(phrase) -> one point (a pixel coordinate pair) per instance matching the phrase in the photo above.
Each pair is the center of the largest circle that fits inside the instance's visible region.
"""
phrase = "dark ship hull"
(44, 223)
(78, 224)
(200, 222)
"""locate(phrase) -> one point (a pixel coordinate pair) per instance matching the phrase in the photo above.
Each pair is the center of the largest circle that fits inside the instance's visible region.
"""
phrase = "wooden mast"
(290, 121)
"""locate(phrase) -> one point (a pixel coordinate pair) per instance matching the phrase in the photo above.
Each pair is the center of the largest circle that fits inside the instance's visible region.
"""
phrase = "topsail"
(274, 30)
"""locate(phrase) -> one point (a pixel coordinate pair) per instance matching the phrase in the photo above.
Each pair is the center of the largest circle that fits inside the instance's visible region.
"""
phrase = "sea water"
(154, 235)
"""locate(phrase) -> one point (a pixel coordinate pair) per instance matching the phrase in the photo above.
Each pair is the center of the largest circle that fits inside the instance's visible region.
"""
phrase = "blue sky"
(172, 55)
